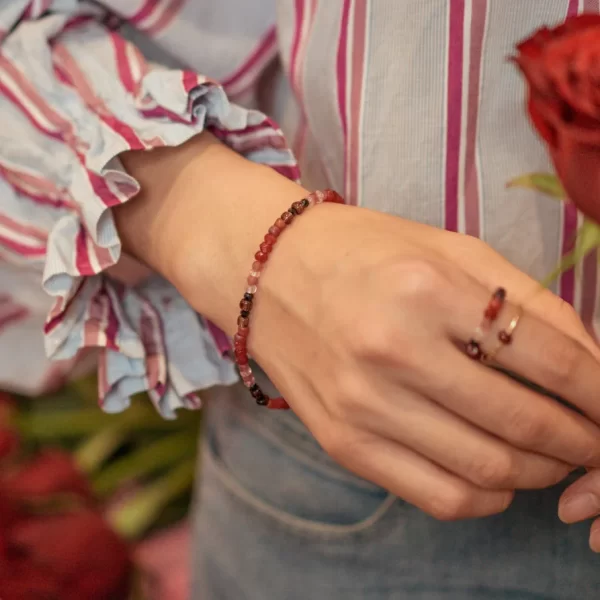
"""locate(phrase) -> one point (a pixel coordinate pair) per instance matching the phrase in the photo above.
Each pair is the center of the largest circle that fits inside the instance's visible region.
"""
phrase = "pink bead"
(274, 231)
(266, 247)
(252, 280)
(249, 381)
(245, 370)
(251, 289)
(255, 274)
(280, 224)
(257, 266)
(270, 239)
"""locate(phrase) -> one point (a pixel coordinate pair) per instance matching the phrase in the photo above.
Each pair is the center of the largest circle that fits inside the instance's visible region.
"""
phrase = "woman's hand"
(361, 320)
(581, 501)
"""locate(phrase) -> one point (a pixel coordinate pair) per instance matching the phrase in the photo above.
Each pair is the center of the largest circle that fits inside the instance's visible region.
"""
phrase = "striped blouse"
(406, 106)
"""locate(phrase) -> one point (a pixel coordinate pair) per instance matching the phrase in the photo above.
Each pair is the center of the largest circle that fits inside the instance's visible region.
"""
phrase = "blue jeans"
(279, 520)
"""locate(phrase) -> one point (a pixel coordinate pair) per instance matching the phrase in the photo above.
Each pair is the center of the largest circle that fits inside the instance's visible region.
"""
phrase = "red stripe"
(22, 249)
(454, 111)
(263, 46)
(189, 80)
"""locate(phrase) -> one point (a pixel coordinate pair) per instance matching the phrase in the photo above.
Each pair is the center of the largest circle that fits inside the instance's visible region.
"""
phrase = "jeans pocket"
(271, 462)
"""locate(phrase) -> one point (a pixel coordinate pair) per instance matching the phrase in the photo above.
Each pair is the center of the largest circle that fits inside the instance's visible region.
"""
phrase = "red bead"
(245, 305)
(242, 331)
(256, 266)
(474, 350)
(287, 217)
(490, 313)
(280, 224)
(504, 337)
(298, 207)
(266, 247)
(278, 404)
(261, 256)
(241, 360)
(270, 239)
(275, 231)
(243, 322)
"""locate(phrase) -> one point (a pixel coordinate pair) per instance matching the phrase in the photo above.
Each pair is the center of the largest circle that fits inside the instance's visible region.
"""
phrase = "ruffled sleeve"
(74, 95)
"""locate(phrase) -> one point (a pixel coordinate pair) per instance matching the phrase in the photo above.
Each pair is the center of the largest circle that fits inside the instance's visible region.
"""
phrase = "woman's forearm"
(200, 217)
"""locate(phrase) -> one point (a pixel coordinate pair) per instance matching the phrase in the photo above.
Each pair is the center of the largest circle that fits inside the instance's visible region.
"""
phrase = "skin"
(359, 323)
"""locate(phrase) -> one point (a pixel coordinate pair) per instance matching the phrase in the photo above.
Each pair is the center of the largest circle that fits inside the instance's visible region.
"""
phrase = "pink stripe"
(265, 44)
(569, 228)
(190, 81)
(29, 230)
(122, 62)
(147, 9)
(22, 249)
(342, 52)
(220, 339)
(82, 259)
(454, 110)
(356, 91)
(478, 23)
(298, 20)
(588, 291)
(14, 316)
(170, 12)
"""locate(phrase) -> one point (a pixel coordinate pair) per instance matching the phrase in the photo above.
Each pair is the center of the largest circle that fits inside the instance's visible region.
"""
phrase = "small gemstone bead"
(257, 266)
(294, 211)
(500, 294)
(274, 231)
(287, 217)
(245, 370)
(298, 207)
(241, 360)
(256, 393)
(248, 296)
(254, 388)
(261, 256)
(243, 331)
(251, 290)
(245, 313)
(243, 322)
(319, 197)
(474, 350)
(270, 239)
(504, 337)
(266, 247)
(280, 224)
(263, 400)
(278, 404)
(252, 279)
(245, 305)
(248, 381)
(305, 203)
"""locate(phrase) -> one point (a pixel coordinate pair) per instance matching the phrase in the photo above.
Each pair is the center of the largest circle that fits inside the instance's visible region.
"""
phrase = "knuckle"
(418, 280)
(526, 430)
(561, 361)
(498, 472)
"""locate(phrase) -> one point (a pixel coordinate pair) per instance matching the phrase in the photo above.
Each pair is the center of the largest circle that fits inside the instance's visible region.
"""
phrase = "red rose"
(64, 557)
(52, 472)
(562, 68)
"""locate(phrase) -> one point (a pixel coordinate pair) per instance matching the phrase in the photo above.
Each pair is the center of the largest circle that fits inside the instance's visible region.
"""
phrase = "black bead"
(254, 388)
(245, 313)
(249, 297)
(293, 210)
(305, 203)
(500, 293)
(257, 394)
(262, 401)
(473, 350)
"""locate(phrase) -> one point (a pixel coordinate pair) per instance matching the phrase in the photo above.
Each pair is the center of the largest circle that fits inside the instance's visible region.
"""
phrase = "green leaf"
(588, 238)
(542, 182)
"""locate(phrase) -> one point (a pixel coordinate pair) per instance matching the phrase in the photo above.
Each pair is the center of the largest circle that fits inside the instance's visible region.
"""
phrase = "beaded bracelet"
(490, 314)
(240, 340)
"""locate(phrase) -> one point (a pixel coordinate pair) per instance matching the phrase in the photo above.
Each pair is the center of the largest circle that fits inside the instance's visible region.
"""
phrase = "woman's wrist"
(199, 218)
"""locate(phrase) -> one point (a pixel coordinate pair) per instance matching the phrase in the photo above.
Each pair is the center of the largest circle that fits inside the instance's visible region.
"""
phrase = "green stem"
(96, 450)
(145, 461)
(138, 513)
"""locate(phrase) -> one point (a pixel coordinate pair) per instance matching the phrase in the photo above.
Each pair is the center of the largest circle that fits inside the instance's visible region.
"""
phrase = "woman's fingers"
(455, 444)
(581, 500)
(415, 479)
(509, 410)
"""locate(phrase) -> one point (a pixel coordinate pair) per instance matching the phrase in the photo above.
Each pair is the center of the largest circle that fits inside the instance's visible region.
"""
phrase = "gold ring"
(505, 336)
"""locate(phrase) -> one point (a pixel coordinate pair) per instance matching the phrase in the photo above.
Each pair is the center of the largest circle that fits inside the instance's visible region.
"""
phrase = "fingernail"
(578, 508)
(595, 537)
